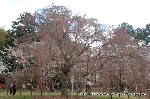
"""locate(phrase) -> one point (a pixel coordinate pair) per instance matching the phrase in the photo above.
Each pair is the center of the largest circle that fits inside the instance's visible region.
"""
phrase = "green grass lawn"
(41, 97)
(26, 94)
(32, 97)
(17, 97)
(100, 97)
(3, 92)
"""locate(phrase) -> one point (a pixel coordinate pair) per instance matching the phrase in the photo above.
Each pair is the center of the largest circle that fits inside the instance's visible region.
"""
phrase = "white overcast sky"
(112, 12)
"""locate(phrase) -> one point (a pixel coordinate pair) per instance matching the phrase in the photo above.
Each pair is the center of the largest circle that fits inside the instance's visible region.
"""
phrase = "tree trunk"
(65, 84)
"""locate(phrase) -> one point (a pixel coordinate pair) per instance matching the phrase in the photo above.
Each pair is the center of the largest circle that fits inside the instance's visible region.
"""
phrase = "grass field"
(50, 97)
(58, 97)
(26, 94)
(17, 97)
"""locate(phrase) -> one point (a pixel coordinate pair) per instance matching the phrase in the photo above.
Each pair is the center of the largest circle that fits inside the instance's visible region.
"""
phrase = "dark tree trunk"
(65, 79)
